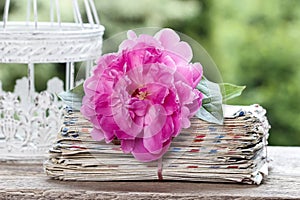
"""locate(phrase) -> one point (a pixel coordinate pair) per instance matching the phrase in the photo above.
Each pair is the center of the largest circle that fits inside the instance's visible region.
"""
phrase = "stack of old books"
(232, 152)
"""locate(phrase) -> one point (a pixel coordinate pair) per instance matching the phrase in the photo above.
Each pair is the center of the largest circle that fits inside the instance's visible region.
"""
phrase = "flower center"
(140, 93)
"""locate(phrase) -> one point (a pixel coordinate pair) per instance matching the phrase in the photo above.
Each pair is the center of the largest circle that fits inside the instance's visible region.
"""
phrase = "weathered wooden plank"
(28, 181)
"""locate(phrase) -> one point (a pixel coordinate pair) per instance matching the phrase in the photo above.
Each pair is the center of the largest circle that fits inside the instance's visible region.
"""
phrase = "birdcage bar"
(30, 75)
(88, 69)
(89, 13)
(95, 12)
(35, 14)
(28, 11)
(51, 12)
(5, 15)
(77, 14)
(58, 13)
(70, 74)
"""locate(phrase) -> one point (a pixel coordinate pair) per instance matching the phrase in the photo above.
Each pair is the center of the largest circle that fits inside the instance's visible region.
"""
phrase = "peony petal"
(153, 144)
(109, 128)
(183, 49)
(125, 122)
(102, 104)
(144, 41)
(196, 104)
(176, 123)
(87, 109)
(185, 113)
(185, 93)
(157, 92)
(131, 35)
(127, 145)
(95, 120)
(134, 59)
(197, 73)
(139, 107)
(155, 120)
(167, 37)
(170, 103)
(184, 74)
(104, 62)
(127, 44)
(142, 154)
(97, 134)
(90, 86)
(171, 42)
(158, 73)
(139, 120)
(123, 136)
(168, 130)
(151, 55)
(103, 109)
(168, 61)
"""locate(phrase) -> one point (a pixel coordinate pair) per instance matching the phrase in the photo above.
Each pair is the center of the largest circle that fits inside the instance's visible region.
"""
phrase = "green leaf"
(73, 97)
(78, 90)
(211, 109)
(230, 91)
(214, 95)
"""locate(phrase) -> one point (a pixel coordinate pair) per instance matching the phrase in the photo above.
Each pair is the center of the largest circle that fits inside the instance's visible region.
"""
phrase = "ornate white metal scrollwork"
(28, 127)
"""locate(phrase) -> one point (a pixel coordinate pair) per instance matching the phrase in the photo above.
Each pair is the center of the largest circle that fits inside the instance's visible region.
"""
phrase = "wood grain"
(28, 181)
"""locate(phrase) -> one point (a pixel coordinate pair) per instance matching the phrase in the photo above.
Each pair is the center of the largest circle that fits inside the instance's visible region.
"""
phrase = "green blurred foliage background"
(253, 43)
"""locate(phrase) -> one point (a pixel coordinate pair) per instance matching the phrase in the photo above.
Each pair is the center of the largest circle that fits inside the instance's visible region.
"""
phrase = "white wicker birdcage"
(29, 120)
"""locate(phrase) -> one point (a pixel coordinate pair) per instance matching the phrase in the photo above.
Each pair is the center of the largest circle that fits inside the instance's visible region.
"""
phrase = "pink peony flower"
(143, 94)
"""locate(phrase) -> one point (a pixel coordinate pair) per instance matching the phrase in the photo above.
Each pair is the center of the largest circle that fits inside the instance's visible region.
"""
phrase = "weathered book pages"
(232, 152)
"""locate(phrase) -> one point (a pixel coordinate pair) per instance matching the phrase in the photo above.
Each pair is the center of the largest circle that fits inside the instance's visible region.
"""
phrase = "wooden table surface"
(28, 181)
